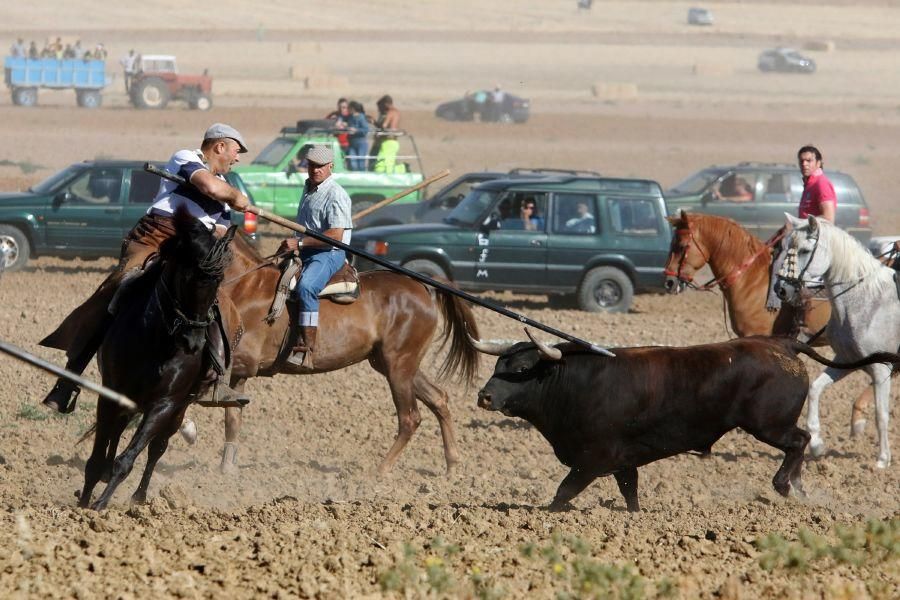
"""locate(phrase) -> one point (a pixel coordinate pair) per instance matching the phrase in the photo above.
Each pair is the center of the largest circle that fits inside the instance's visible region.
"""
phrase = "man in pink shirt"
(818, 197)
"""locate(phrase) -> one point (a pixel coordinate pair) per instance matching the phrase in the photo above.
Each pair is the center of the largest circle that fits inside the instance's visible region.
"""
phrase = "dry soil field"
(304, 517)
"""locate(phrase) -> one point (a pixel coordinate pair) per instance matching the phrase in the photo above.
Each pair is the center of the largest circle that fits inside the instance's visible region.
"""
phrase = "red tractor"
(157, 81)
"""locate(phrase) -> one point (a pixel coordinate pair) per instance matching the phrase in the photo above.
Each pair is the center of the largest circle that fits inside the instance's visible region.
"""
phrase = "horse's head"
(806, 259)
(195, 262)
(686, 255)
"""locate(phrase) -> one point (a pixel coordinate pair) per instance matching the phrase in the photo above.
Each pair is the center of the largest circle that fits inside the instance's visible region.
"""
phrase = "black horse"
(154, 353)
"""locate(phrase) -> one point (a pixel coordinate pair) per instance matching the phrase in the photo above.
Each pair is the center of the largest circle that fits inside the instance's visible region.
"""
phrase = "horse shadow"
(499, 424)
(69, 270)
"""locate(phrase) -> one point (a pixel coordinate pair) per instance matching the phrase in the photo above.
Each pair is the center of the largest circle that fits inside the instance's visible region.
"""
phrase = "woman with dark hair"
(358, 128)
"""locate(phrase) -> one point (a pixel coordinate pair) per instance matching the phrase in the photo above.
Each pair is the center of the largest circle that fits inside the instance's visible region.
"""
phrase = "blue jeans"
(319, 266)
(359, 148)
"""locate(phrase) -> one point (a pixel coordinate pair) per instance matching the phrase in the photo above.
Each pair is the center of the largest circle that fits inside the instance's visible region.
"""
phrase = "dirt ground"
(304, 516)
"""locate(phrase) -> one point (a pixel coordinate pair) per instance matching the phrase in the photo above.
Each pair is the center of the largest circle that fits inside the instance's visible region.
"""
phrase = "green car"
(757, 195)
(277, 175)
(84, 211)
(589, 241)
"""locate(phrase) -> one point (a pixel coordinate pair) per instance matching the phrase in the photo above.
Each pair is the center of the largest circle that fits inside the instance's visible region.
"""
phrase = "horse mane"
(723, 228)
(243, 246)
(850, 260)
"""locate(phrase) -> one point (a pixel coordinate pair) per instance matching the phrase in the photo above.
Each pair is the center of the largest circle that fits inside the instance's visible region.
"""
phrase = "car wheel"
(505, 118)
(426, 267)
(89, 99)
(605, 289)
(14, 247)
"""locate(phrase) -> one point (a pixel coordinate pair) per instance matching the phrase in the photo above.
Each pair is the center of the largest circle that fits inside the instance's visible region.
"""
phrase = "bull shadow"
(499, 424)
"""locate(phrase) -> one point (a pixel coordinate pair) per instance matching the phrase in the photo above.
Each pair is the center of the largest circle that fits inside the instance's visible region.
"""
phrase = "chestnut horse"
(390, 325)
(740, 264)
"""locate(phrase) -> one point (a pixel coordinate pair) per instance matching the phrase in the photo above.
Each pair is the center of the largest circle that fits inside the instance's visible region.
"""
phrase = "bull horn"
(548, 352)
(493, 348)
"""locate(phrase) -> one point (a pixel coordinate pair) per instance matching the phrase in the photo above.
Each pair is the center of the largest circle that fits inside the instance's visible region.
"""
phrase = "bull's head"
(519, 364)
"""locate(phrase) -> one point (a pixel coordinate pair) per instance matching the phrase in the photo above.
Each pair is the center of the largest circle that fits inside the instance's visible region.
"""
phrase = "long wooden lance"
(40, 363)
(397, 268)
(395, 197)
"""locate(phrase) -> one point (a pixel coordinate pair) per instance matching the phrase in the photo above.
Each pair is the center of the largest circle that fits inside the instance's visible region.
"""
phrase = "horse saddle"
(342, 288)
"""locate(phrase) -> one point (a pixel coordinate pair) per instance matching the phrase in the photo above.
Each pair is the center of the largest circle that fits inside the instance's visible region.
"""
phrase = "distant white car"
(699, 16)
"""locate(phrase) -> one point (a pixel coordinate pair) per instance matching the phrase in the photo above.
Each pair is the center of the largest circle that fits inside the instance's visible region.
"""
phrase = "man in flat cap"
(325, 208)
(207, 196)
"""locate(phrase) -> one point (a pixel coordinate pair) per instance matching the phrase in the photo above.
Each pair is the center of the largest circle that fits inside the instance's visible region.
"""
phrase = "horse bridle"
(798, 281)
(687, 279)
(179, 319)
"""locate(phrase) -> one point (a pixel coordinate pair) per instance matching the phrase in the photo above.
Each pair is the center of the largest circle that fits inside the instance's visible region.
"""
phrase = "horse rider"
(324, 207)
(208, 197)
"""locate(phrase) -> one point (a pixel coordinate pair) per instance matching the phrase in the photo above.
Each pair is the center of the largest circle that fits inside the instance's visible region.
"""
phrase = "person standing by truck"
(358, 127)
(129, 63)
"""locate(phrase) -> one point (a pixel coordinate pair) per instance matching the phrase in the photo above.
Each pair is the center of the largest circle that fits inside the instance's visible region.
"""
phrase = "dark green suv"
(757, 195)
(84, 211)
(589, 240)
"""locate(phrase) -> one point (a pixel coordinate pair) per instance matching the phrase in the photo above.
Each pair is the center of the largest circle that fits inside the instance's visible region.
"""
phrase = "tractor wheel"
(151, 92)
(25, 96)
(201, 102)
(89, 98)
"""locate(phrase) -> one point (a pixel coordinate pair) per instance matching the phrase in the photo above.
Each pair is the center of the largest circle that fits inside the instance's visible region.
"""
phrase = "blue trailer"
(23, 77)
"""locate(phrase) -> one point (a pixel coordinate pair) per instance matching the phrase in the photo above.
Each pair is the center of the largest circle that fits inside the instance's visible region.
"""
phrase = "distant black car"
(785, 60)
(481, 105)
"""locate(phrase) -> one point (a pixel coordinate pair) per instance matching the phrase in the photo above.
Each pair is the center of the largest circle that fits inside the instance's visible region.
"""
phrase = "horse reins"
(267, 261)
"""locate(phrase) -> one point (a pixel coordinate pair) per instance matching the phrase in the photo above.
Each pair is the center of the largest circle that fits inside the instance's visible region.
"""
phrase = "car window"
(274, 153)
(779, 187)
(523, 211)
(449, 197)
(735, 187)
(56, 180)
(97, 186)
(472, 207)
(845, 189)
(695, 183)
(796, 188)
(144, 187)
(575, 214)
(634, 216)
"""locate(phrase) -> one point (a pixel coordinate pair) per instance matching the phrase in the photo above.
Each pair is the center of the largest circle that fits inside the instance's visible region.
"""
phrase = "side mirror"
(290, 169)
(62, 197)
(706, 198)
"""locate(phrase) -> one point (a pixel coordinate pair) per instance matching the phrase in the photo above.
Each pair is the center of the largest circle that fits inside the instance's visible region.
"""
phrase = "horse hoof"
(858, 428)
(817, 450)
(229, 459)
(188, 431)
(882, 464)
(139, 499)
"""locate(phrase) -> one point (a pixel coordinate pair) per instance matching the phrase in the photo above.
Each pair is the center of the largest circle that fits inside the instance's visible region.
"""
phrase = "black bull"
(609, 416)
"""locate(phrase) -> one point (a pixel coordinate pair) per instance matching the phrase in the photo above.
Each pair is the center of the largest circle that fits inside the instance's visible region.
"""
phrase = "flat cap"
(320, 155)
(217, 131)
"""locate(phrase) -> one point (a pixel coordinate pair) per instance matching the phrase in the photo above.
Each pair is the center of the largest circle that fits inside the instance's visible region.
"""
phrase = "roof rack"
(552, 171)
(326, 127)
(753, 163)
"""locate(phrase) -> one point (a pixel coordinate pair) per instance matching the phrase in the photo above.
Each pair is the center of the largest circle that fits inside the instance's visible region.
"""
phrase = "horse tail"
(874, 358)
(87, 434)
(459, 325)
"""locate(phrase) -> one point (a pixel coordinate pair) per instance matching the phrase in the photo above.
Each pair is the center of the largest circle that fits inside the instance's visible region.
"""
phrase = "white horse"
(865, 311)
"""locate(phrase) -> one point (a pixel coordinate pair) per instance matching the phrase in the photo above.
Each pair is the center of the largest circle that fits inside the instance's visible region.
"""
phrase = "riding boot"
(301, 355)
(62, 397)
(64, 394)
(218, 393)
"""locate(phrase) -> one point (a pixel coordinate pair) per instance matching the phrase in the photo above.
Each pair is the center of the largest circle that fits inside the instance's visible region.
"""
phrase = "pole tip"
(602, 351)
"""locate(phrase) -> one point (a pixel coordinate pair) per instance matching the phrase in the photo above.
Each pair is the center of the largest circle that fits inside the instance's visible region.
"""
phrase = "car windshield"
(471, 208)
(695, 183)
(274, 153)
(56, 180)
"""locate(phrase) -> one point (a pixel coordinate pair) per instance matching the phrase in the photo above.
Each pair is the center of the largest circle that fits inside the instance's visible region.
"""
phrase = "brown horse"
(740, 265)
(390, 325)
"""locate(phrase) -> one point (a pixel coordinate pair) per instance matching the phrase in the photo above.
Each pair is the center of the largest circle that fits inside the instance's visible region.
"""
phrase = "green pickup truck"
(277, 175)
(84, 211)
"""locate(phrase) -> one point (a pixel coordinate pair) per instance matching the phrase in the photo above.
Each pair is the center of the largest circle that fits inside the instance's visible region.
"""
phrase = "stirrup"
(298, 358)
(219, 395)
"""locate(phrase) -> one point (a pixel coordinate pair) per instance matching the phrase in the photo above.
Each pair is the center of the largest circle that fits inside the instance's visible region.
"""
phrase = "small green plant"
(432, 573)
(579, 575)
(32, 412)
(876, 541)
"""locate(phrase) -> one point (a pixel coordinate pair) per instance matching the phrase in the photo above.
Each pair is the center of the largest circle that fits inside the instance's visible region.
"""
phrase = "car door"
(142, 189)
(86, 214)
(514, 255)
(723, 201)
(576, 236)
